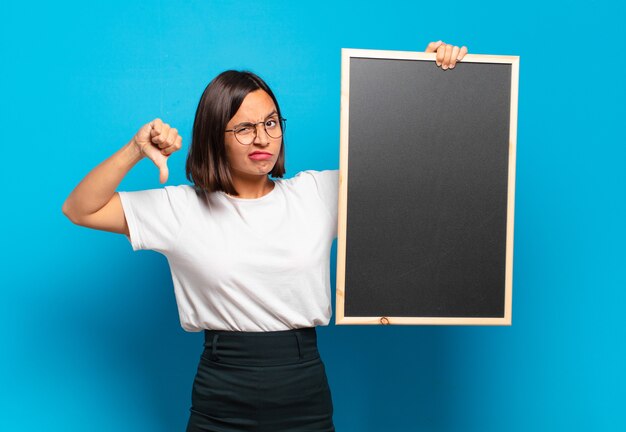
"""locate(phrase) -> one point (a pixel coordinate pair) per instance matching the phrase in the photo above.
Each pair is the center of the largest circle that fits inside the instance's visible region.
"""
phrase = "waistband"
(261, 348)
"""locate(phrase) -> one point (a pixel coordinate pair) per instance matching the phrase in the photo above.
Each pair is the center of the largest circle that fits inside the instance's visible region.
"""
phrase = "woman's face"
(259, 157)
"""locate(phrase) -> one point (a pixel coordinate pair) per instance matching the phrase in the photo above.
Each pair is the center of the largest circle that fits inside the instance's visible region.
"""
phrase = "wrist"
(133, 151)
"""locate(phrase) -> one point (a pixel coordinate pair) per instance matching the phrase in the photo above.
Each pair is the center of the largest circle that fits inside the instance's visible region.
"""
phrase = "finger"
(462, 53)
(453, 56)
(155, 127)
(441, 51)
(171, 136)
(432, 47)
(446, 57)
(174, 147)
(163, 172)
(161, 138)
(170, 143)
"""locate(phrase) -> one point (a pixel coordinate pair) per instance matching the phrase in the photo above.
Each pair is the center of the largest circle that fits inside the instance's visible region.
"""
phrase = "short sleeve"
(155, 217)
(327, 183)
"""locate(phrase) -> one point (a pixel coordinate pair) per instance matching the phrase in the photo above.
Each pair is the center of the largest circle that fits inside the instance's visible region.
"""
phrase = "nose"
(261, 136)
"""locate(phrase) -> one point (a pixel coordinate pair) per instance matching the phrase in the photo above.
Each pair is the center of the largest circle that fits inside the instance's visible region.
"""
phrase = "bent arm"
(94, 202)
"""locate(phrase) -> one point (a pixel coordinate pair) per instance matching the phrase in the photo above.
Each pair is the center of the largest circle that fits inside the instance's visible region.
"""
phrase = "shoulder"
(179, 195)
(184, 191)
(324, 185)
(313, 177)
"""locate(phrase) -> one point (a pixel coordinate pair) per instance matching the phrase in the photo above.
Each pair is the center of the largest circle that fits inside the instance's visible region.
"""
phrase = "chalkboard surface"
(427, 189)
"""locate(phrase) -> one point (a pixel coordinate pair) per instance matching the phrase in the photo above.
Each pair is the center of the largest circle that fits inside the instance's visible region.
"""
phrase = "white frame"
(340, 317)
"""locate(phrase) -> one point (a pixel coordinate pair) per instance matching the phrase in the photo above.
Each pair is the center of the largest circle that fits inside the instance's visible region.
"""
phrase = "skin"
(447, 55)
(94, 202)
(250, 176)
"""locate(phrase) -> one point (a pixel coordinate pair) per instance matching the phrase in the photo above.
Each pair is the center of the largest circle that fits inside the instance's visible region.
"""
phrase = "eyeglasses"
(246, 133)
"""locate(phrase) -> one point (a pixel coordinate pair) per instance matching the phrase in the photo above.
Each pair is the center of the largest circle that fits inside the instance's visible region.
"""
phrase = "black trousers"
(261, 381)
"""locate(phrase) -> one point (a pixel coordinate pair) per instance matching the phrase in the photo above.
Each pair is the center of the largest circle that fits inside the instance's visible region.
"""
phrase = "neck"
(252, 187)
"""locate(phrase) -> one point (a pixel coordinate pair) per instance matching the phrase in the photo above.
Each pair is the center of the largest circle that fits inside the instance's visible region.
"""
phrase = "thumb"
(433, 46)
(164, 172)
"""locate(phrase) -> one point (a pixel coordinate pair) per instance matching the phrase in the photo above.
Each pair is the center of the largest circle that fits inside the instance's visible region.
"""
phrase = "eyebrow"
(266, 117)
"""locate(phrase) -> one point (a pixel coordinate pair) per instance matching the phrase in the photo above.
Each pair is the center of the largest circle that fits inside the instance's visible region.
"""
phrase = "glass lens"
(273, 127)
(247, 132)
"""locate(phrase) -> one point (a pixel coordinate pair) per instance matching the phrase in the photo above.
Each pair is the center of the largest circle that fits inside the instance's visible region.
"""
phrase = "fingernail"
(444, 67)
(438, 64)
(451, 66)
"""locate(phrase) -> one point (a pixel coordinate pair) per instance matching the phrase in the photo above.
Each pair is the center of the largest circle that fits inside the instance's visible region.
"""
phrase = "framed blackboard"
(427, 187)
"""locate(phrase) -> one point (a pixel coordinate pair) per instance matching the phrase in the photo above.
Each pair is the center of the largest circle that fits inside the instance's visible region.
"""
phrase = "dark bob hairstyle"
(207, 166)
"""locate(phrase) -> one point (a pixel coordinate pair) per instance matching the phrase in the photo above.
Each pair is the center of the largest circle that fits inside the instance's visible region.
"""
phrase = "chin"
(266, 169)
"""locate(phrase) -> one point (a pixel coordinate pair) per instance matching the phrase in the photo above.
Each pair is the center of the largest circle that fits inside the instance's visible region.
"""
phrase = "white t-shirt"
(243, 264)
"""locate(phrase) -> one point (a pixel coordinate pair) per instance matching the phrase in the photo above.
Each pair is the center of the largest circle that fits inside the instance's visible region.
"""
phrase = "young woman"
(249, 254)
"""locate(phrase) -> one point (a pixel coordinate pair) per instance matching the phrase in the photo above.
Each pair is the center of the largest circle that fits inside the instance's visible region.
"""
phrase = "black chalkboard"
(427, 189)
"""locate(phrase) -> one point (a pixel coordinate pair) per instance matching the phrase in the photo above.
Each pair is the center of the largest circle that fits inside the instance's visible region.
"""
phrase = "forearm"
(98, 187)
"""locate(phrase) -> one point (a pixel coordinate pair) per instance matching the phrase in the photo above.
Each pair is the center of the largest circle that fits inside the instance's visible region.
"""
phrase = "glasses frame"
(281, 121)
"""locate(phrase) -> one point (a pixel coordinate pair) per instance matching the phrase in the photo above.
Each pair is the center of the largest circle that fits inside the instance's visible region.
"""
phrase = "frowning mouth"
(260, 155)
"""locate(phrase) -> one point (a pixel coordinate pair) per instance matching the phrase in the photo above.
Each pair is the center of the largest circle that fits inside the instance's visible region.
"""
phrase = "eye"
(244, 129)
(271, 123)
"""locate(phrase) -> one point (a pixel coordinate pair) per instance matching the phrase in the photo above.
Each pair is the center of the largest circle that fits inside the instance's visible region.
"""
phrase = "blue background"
(89, 330)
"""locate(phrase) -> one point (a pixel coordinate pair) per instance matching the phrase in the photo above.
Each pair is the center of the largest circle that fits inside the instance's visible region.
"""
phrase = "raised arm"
(94, 202)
